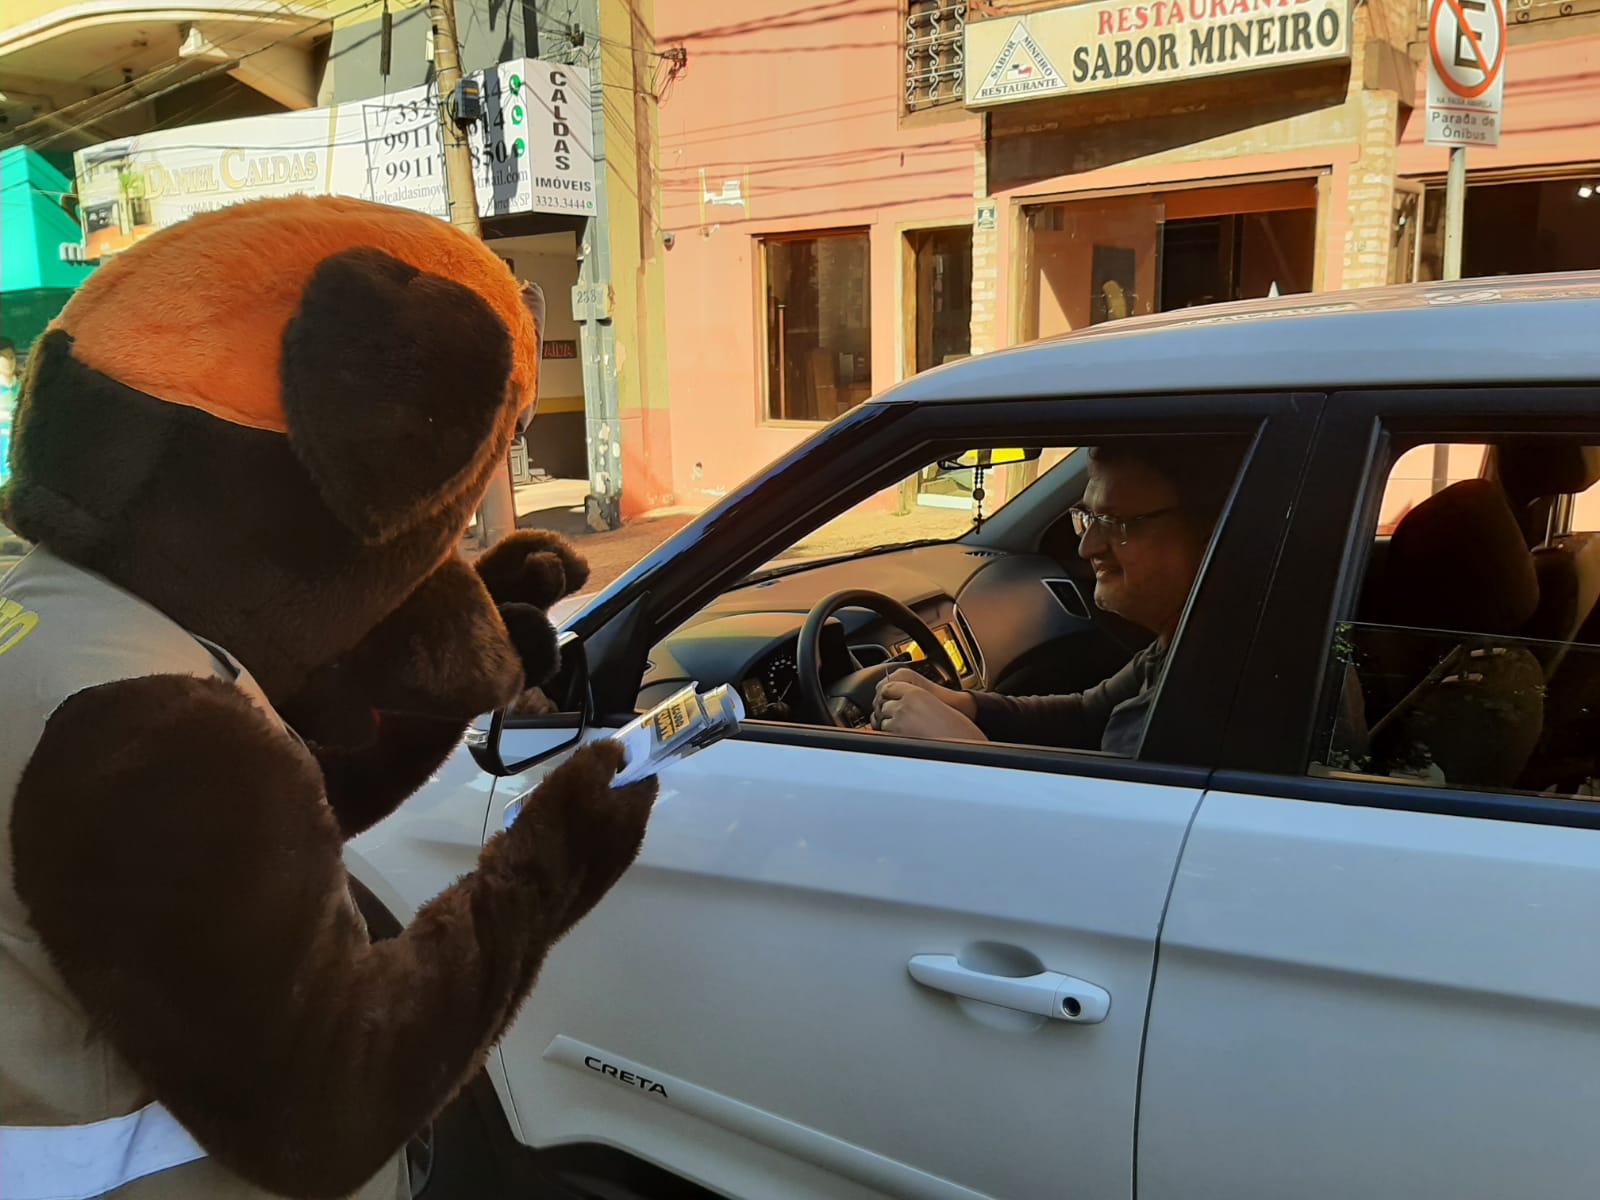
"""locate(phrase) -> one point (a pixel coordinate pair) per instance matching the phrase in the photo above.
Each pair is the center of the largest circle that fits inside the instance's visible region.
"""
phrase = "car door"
(742, 1009)
(1369, 985)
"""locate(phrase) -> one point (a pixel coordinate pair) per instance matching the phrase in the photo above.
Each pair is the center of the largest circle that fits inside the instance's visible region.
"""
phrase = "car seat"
(1535, 474)
(1450, 693)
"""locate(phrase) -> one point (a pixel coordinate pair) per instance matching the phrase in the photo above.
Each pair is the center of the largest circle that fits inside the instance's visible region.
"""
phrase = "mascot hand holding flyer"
(246, 454)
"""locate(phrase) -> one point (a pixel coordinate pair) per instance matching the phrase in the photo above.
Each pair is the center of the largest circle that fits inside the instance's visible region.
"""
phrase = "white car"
(1331, 932)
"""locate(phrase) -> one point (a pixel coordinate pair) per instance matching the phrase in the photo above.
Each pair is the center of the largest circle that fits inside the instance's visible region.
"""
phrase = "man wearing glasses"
(1143, 525)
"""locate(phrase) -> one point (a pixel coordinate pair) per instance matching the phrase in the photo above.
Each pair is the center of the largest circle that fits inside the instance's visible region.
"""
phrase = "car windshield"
(934, 504)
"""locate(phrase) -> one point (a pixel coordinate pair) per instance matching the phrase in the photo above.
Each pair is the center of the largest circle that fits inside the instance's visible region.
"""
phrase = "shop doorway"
(555, 445)
(939, 287)
(1091, 261)
(1099, 260)
(937, 329)
(1206, 260)
(1522, 227)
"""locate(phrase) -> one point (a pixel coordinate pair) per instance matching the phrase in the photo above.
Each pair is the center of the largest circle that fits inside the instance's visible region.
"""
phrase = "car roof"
(1529, 329)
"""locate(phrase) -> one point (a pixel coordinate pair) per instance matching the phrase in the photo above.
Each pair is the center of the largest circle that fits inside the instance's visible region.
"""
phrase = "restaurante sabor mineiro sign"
(1105, 44)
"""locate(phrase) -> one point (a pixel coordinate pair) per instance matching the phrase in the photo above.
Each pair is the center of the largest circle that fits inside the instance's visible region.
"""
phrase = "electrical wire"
(100, 99)
(146, 97)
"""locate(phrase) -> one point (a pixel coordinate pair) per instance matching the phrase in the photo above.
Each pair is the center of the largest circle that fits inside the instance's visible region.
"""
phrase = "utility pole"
(498, 515)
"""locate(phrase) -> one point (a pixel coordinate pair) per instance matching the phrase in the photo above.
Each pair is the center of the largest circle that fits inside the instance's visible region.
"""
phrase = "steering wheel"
(848, 702)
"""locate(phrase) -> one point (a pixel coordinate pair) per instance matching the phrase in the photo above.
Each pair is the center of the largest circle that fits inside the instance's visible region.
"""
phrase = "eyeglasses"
(1114, 528)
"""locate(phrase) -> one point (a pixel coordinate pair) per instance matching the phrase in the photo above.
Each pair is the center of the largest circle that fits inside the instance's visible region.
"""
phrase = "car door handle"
(1047, 994)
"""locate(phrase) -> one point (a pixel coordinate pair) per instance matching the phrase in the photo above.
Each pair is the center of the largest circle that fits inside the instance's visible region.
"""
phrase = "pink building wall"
(801, 104)
(1551, 112)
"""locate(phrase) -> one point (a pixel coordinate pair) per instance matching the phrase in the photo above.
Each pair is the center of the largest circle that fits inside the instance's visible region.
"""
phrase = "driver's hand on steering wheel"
(909, 705)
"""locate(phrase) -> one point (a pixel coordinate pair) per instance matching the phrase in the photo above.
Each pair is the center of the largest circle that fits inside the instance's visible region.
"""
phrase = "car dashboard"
(989, 608)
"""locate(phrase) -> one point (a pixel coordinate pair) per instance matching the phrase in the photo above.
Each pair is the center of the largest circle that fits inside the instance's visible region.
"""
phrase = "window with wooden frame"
(817, 296)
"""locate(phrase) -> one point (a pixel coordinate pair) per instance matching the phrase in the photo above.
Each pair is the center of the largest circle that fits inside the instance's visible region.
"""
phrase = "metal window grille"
(935, 66)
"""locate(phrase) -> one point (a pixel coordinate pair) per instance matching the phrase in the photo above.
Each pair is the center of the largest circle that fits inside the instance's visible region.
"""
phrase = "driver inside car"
(1143, 525)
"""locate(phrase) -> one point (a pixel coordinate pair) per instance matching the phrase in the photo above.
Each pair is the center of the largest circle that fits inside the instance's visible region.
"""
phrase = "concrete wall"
(803, 110)
(1551, 113)
(782, 120)
(490, 32)
(797, 119)
(632, 78)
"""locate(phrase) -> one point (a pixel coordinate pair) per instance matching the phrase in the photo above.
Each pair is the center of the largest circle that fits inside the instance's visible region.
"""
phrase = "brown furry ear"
(396, 388)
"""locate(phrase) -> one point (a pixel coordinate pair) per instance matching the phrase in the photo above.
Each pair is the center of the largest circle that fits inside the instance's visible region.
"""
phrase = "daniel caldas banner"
(533, 152)
(1105, 44)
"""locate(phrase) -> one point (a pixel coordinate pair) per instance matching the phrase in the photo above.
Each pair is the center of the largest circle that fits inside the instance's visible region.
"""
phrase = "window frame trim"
(764, 417)
(1485, 805)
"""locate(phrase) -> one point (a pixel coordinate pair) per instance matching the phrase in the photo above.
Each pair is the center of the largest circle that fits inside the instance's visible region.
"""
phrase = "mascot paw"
(532, 566)
(576, 825)
(534, 640)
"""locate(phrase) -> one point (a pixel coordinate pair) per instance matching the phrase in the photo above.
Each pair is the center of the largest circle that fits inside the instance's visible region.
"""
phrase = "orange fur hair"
(195, 314)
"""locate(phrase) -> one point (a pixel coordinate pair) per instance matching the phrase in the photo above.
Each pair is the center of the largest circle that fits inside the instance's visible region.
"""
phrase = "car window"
(933, 503)
(1586, 511)
(1065, 649)
(1472, 658)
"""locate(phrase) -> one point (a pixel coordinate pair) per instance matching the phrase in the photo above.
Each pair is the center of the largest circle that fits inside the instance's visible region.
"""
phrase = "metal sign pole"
(1455, 203)
(1466, 54)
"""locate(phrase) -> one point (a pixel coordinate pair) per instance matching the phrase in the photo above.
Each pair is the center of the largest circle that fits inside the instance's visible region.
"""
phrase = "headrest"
(195, 314)
(1531, 470)
(1458, 561)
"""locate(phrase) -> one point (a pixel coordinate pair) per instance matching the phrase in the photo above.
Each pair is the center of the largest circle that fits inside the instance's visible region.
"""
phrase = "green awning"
(36, 218)
(24, 315)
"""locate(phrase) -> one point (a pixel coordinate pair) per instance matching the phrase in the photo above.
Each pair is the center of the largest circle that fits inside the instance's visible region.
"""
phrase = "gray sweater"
(1110, 716)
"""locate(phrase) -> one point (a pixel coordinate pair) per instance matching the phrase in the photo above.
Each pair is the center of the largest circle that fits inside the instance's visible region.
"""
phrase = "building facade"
(865, 190)
(1533, 201)
(200, 105)
(821, 225)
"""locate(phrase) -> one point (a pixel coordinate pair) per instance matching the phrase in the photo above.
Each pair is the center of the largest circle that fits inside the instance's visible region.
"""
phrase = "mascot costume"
(246, 454)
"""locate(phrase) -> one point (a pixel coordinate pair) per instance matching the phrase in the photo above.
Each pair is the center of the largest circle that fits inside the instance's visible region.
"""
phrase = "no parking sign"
(1466, 72)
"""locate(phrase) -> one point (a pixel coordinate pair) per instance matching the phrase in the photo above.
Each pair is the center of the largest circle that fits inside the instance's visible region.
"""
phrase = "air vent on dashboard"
(975, 650)
(983, 553)
(1069, 597)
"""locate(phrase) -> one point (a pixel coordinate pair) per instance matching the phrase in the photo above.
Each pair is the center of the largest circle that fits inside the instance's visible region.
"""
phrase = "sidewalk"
(557, 505)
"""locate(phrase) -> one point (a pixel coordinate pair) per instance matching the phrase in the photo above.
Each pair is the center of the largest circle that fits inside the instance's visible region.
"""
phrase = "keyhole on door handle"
(1048, 994)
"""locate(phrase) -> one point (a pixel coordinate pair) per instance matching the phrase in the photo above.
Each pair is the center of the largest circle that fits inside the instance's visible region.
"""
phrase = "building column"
(985, 259)
(633, 441)
(1380, 68)
(1370, 230)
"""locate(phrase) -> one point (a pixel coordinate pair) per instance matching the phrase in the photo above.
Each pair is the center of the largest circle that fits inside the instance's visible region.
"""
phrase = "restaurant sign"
(1106, 44)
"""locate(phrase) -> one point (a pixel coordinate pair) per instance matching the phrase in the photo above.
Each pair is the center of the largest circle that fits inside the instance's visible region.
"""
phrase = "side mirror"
(989, 459)
(511, 742)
